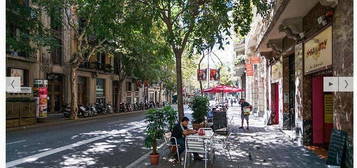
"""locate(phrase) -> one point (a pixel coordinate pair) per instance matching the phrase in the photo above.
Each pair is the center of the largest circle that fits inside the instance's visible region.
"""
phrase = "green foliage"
(199, 107)
(226, 77)
(158, 121)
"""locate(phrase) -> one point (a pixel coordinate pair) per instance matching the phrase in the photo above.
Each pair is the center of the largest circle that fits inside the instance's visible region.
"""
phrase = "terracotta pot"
(154, 159)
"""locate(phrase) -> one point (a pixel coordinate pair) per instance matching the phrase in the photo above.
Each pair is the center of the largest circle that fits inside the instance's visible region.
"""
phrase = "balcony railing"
(97, 66)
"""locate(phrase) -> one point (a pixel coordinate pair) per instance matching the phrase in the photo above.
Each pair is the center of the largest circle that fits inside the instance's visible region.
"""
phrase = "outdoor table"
(208, 135)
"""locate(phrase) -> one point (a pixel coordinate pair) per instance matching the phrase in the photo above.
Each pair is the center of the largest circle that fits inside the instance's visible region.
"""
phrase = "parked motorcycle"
(109, 109)
(83, 111)
(66, 111)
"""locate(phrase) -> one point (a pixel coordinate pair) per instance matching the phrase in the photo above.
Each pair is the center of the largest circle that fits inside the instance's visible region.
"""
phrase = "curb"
(64, 121)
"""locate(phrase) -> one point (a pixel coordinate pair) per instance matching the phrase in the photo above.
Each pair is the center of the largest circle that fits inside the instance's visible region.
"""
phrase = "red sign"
(255, 60)
(214, 74)
(249, 69)
(202, 74)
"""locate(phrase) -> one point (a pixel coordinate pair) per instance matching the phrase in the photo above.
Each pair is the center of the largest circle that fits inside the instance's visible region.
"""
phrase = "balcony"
(95, 66)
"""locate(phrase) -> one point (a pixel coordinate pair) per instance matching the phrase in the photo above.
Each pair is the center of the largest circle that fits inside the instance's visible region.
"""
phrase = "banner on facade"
(249, 69)
(214, 74)
(254, 60)
(318, 51)
(202, 74)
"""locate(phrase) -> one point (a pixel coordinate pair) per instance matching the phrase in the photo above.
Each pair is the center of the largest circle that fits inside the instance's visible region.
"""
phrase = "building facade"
(299, 44)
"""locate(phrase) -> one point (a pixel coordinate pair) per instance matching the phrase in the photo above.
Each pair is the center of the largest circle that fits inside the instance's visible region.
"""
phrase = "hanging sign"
(214, 74)
(318, 51)
(249, 69)
(202, 74)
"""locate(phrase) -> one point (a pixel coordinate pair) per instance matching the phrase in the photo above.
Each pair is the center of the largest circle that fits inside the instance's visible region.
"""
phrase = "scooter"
(83, 111)
(66, 111)
(109, 109)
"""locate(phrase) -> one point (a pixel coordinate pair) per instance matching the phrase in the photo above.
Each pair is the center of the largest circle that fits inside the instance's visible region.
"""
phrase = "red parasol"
(223, 89)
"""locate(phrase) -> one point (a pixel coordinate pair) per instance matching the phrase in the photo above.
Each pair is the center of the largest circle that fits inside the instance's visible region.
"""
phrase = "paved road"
(108, 142)
(115, 141)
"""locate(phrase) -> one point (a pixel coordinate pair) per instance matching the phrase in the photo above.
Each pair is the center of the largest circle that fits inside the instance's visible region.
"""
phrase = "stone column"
(299, 75)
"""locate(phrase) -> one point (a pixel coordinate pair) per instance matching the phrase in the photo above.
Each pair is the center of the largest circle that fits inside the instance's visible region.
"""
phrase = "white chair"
(196, 145)
(170, 144)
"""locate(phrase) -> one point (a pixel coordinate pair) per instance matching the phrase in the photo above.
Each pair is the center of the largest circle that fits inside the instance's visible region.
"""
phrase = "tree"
(199, 22)
(91, 24)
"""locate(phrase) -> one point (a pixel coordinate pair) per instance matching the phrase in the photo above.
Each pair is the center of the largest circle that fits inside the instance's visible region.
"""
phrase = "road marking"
(134, 164)
(35, 157)
(15, 142)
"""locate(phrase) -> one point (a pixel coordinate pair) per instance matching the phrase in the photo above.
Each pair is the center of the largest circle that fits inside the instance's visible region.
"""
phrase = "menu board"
(328, 108)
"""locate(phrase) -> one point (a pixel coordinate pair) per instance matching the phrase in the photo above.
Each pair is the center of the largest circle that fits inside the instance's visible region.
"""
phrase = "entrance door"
(317, 110)
(275, 102)
(82, 91)
(115, 94)
(55, 92)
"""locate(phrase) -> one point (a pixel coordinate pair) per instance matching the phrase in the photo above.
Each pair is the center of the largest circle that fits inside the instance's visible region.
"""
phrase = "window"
(56, 26)
(100, 89)
(23, 74)
(128, 86)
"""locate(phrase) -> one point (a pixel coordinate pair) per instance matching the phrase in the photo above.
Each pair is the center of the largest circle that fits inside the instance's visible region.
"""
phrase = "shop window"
(22, 73)
(100, 90)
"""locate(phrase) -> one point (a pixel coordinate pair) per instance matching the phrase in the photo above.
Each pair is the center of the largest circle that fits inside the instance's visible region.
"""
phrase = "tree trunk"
(74, 93)
(199, 67)
(178, 55)
(119, 100)
(154, 147)
(160, 94)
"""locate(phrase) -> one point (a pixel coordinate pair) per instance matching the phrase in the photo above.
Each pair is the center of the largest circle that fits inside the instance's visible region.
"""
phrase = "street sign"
(330, 84)
(13, 84)
(25, 90)
(345, 84)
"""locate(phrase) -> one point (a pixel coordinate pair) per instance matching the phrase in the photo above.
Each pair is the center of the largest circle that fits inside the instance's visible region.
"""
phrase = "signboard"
(42, 102)
(25, 90)
(254, 60)
(328, 108)
(337, 147)
(249, 69)
(18, 73)
(214, 74)
(202, 74)
(318, 51)
(276, 71)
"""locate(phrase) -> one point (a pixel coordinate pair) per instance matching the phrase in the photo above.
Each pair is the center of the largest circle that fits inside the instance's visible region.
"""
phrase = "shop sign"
(318, 51)
(255, 60)
(202, 74)
(328, 108)
(42, 102)
(276, 71)
(214, 74)
(249, 69)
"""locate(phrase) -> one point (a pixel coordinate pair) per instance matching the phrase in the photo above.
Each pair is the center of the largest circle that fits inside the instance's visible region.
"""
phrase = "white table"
(208, 135)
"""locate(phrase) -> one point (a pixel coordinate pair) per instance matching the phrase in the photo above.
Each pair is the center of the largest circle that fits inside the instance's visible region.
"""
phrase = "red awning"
(223, 89)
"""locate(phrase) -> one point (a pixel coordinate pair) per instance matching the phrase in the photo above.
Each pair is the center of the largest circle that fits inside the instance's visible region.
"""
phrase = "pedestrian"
(232, 102)
(246, 108)
(180, 131)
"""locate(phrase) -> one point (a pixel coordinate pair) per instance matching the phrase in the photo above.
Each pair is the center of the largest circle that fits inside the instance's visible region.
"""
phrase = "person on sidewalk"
(232, 102)
(244, 115)
(180, 131)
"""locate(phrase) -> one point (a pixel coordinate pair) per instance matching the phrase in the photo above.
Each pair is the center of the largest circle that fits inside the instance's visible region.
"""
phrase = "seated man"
(180, 131)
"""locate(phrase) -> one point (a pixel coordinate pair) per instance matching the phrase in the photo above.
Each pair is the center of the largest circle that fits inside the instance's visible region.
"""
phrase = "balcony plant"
(199, 107)
(155, 130)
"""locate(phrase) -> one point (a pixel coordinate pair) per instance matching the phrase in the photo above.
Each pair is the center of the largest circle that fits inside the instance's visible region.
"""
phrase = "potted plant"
(155, 130)
(199, 107)
(171, 119)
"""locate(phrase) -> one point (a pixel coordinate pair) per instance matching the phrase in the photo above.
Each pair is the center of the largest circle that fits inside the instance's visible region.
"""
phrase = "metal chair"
(196, 145)
(170, 144)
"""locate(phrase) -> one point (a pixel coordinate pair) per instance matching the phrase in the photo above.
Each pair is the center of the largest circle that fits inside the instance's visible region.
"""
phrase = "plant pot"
(154, 159)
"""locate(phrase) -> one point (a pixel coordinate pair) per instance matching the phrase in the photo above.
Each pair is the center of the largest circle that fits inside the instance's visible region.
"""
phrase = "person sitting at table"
(180, 131)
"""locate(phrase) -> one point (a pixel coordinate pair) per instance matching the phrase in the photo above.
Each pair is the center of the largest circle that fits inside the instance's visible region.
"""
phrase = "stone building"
(302, 42)
(97, 79)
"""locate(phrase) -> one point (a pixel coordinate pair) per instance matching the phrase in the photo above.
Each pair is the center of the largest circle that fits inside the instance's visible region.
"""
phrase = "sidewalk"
(261, 146)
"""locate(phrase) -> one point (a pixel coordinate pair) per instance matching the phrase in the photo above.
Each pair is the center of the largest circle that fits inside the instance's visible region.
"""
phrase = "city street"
(108, 142)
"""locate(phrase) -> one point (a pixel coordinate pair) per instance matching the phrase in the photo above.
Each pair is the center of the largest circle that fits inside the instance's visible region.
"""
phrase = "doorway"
(322, 113)
(55, 92)
(275, 103)
(82, 91)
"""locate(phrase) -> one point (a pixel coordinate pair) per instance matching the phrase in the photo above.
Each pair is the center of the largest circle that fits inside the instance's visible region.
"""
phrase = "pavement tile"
(259, 147)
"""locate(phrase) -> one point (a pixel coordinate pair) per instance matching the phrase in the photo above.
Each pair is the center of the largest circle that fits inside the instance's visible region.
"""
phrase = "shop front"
(55, 92)
(317, 65)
